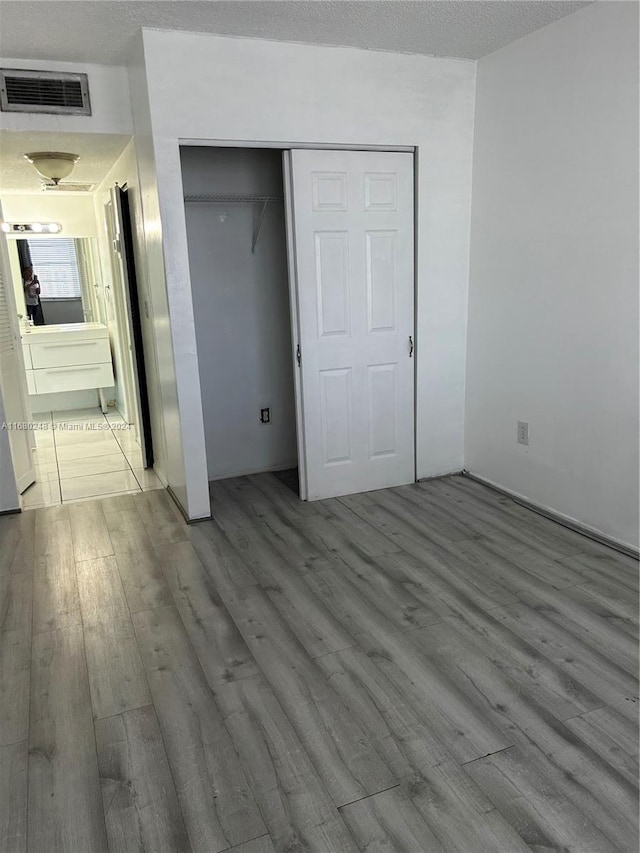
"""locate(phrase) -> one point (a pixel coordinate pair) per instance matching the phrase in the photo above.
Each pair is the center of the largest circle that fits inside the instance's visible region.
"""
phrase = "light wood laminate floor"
(427, 668)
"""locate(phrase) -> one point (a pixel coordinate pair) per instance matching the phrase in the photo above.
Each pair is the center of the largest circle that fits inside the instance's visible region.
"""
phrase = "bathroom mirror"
(64, 267)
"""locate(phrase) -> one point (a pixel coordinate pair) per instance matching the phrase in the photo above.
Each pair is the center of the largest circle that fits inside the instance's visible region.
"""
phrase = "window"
(55, 262)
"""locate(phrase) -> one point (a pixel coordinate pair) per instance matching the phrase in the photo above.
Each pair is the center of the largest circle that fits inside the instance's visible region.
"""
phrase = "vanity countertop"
(64, 332)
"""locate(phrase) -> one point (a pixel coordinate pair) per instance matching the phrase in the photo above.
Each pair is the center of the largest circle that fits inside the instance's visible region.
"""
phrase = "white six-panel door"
(351, 223)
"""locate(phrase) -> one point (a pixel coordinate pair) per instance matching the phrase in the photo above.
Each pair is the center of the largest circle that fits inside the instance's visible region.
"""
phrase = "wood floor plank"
(218, 806)
(283, 498)
(139, 799)
(16, 604)
(357, 530)
(116, 675)
(341, 597)
(531, 670)
(467, 729)
(587, 663)
(390, 823)
(582, 776)
(15, 664)
(612, 737)
(297, 809)
(55, 588)
(513, 567)
(222, 652)
(372, 580)
(612, 566)
(256, 845)
(142, 578)
(89, 531)
(17, 534)
(65, 804)
(220, 559)
(117, 503)
(485, 520)
(369, 507)
(617, 598)
(161, 517)
(293, 543)
(313, 623)
(339, 748)
(257, 505)
(551, 530)
(546, 820)
(437, 519)
(441, 790)
(226, 511)
(586, 618)
(403, 509)
(13, 797)
(617, 614)
(446, 571)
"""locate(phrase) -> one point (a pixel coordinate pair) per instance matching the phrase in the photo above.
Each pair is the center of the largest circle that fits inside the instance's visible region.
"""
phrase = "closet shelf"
(239, 199)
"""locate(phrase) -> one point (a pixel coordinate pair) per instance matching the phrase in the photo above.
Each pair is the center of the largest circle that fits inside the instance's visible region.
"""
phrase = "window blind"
(55, 262)
(6, 332)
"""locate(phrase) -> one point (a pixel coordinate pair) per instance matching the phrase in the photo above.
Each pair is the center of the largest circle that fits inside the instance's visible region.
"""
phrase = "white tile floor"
(84, 454)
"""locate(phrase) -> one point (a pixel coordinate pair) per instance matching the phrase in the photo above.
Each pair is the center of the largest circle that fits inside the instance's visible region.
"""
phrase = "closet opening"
(237, 241)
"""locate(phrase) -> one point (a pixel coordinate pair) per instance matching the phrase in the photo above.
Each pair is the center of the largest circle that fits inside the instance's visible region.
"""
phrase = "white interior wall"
(212, 88)
(74, 212)
(242, 317)
(553, 314)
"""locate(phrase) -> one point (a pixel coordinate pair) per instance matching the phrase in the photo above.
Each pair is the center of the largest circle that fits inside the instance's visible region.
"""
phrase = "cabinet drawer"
(93, 351)
(31, 382)
(26, 351)
(75, 378)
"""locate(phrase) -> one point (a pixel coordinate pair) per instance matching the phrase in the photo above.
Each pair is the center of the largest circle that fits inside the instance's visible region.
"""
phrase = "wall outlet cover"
(523, 432)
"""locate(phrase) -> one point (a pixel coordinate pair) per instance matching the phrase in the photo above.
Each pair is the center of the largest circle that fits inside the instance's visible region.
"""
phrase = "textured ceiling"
(98, 31)
(98, 152)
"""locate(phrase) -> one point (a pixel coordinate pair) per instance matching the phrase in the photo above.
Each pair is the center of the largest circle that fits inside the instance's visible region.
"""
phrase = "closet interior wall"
(241, 306)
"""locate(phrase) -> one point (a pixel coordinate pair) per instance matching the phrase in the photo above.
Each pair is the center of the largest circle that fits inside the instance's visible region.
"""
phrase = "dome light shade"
(53, 165)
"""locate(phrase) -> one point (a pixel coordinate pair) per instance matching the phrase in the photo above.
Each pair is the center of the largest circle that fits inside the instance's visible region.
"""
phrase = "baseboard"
(246, 473)
(563, 520)
(457, 473)
(11, 511)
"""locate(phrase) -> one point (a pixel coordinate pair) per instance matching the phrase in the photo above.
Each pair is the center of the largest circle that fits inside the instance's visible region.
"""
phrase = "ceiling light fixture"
(53, 165)
(31, 227)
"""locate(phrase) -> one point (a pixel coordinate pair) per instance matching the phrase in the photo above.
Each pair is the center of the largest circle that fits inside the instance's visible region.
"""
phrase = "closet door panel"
(351, 252)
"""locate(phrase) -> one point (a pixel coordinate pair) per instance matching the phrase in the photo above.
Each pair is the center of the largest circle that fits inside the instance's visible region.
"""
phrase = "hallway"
(421, 669)
(85, 454)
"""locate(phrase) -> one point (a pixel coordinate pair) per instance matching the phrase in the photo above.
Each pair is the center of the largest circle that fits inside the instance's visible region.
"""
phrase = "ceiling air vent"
(68, 187)
(44, 92)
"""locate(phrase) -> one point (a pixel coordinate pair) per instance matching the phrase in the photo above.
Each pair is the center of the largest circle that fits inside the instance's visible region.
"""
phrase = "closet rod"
(232, 199)
(246, 199)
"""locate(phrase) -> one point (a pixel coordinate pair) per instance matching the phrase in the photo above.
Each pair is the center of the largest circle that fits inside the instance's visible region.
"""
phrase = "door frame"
(285, 147)
(27, 478)
(118, 296)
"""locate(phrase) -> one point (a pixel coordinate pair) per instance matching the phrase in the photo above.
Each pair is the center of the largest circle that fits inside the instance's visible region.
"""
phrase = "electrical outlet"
(523, 432)
(265, 416)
